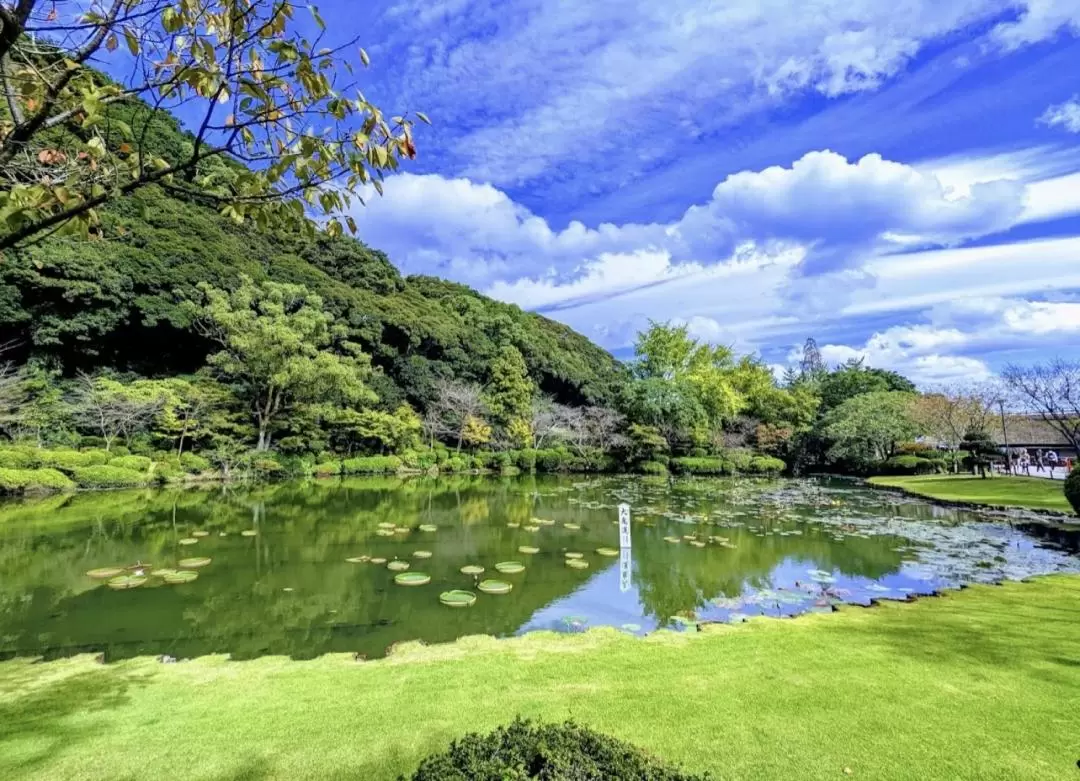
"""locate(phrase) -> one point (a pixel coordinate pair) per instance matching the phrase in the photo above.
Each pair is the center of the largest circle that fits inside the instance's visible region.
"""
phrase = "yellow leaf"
(364, 58)
(111, 42)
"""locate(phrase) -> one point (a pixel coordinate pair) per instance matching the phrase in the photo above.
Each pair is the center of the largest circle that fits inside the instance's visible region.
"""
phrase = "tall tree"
(866, 428)
(279, 348)
(1050, 391)
(115, 409)
(509, 392)
(811, 367)
(458, 411)
(261, 92)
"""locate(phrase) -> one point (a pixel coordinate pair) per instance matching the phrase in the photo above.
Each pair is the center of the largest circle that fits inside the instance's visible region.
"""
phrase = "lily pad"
(528, 549)
(510, 567)
(163, 572)
(697, 543)
(577, 563)
(358, 559)
(386, 525)
(249, 532)
(397, 566)
(193, 563)
(472, 569)
(402, 530)
(531, 528)
(609, 552)
(412, 579)
(126, 581)
(673, 539)
(185, 576)
(378, 560)
(385, 532)
(494, 586)
(572, 526)
(188, 541)
(200, 533)
(427, 527)
(104, 573)
(457, 598)
(512, 525)
(544, 521)
(573, 554)
(422, 554)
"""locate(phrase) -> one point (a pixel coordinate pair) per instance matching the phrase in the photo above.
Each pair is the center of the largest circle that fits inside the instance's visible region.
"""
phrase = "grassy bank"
(980, 684)
(1030, 492)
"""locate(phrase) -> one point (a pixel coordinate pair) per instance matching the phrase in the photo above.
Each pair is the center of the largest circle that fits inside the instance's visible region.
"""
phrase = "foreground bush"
(371, 465)
(194, 463)
(19, 481)
(70, 460)
(17, 459)
(910, 465)
(765, 465)
(553, 752)
(327, 469)
(1072, 489)
(108, 477)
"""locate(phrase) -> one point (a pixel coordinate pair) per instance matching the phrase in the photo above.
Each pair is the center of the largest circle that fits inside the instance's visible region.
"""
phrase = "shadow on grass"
(35, 716)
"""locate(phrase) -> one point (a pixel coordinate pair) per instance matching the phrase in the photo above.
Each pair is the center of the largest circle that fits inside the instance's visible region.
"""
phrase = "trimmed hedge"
(70, 460)
(194, 463)
(371, 465)
(910, 465)
(135, 463)
(1072, 489)
(327, 469)
(652, 468)
(690, 465)
(268, 467)
(19, 481)
(524, 750)
(419, 459)
(766, 465)
(109, 477)
(17, 459)
(455, 464)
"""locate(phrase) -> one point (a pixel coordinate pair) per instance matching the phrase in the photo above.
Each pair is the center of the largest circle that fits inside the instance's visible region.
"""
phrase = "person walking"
(1038, 461)
(1025, 462)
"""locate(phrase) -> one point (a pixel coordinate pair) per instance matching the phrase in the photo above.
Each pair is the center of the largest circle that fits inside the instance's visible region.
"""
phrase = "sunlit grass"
(1031, 492)
(980, 684)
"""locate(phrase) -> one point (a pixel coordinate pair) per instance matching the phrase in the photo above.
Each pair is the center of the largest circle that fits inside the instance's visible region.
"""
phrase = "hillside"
(114, 302)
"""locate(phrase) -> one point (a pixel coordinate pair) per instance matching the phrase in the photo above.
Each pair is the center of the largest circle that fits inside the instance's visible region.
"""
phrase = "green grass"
(979, 684)
(1031, 492)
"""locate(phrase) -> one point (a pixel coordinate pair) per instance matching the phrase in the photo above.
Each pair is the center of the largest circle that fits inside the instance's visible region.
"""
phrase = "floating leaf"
(193, 563)
(457, 598)
(609, 552)
(631, 627)
(385, 532)
(397, 566)
(126, 581)
(697, 543)
(386, 525)
(422, 554)
(577, 563)
(531, 528)
(163, 572)
(494, 586)
(378, 560)
(104, 573)
(188, 541)
(510, 567)
(472, 569)
(200, 533)
(512, 525)
(529, 549)
(412, 579)
(402, 530)
(570, 554)
(249, 532)
(572, 526)
(358, 559)
(181, 577)
(672, 539)
(427, 527)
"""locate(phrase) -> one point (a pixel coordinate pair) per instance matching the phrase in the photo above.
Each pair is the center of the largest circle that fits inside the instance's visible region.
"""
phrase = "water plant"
(457, 598)
(104, 573)
(528, 549)
(510, 567)
(397, 565)
(412, 579)
(126, 581)
(193, 563)
(494, 586)
(609, 552)
(472, 569)
(188, 541)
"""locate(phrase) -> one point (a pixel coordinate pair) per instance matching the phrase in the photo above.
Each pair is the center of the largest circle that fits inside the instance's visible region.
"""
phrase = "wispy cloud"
(1064, 115)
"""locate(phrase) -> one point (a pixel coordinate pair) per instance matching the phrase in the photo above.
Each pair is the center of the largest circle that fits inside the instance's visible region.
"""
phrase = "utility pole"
(1005, 437)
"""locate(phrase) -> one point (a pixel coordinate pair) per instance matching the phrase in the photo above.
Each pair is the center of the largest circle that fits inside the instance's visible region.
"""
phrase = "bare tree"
(949, 413)
(1051, 391)
(606, 426)
(112, 408)
(12, 395)
(546, 419)
(456, 403)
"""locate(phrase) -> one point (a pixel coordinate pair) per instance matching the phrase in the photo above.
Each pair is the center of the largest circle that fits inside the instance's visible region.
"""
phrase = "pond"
(303, 569)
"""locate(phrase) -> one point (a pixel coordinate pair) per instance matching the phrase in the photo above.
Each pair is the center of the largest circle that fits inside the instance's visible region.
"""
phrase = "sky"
(899, 180)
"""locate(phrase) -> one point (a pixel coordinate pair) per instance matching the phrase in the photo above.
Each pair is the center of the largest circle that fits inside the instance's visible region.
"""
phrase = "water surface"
(702, 550)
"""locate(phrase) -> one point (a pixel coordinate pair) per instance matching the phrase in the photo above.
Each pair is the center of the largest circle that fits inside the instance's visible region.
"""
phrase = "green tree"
(113, 408)
(187, 405)
(259, 89)
(43, 412)
(866, 428)
(853, 378)
(279, 348)
(509, 392)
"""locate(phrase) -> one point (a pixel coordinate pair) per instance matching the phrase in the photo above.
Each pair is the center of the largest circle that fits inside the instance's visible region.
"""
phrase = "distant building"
(1030, 432)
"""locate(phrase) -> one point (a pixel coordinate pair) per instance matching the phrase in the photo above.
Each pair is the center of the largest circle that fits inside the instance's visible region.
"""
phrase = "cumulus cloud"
(1064, 115)
(1038, 20)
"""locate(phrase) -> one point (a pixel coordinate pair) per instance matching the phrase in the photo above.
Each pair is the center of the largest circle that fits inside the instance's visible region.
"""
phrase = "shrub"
(556, 461)
(526, 460)
(766, 465)
(70, 460)
(371, 465)
(119, 451)
(740, 460)
(168, 473)
(17, 459)
(194, 463)
(136, 463)
(108, 477)
(652, 468)
(49, 480)
(455, 464)
(328, 469)
(1072, 489)
(908, 465)
(693, 465)
(418, 459)
(484, 459)
(268, 467)
(524, 750)
(14, 481)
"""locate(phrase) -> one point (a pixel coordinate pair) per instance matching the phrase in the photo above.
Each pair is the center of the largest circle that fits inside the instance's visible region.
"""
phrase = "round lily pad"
(544, 521)
(188, 541)
(421, 554)
(572, 526)
(573, 554)
(185, 576)
(200, 533)
(672, 539)
(412, 579)
(457, 598)
(378, 560)
(126, 581)
(494, 586)
(402, 530)
(249, 532)
(512, 525)
(385, 532)
(194, 563)
(358, 559)
(386, 525)
(222, 534)
(609, 552)
(697, 543)
(528, 549)
(577, 563)
(531, 528)
(427, 527)
(631, 627)
(472, 569)
(163, 572)
(104, 573)
(510, 567)
(397, 566)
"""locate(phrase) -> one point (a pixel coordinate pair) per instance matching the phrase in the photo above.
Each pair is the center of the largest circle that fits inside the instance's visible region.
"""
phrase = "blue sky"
(900, 180)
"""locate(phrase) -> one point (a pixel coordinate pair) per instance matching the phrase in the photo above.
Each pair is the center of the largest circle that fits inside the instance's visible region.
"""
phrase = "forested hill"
(115, 302)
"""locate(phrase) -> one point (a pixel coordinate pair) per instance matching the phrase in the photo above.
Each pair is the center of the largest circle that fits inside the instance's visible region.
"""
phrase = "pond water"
(279, 579)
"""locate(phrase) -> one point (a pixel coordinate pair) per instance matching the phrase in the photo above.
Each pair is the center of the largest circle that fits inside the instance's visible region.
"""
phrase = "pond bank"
(900, 691)
(1001, 493)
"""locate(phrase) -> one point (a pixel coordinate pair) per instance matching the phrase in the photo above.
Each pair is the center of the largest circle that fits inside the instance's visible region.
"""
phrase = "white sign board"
(625, 561)
(626, 568)
(624, 525)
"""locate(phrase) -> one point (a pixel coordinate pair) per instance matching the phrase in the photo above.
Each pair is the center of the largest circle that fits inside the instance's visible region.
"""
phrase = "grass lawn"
(1031, 492)
(980, 684)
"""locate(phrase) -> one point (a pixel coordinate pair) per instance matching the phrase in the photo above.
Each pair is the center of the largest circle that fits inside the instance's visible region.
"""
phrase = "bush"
(119, 451)
(524, 750)
(909, 465)
(455, 464)
(418, 459)
(371, 465)
(1072, 489)
(108, 477)
(49, 480)
(136, 463)
(328, 469)
(554, 461)
(740, 460)
(194, 463)
(168, 473)
(14, 481)
(268, 467)
(17, 459)
(692, 465)
(652, 468)
(483, 459)
(69, 460)
(525, 460)
(766, 465)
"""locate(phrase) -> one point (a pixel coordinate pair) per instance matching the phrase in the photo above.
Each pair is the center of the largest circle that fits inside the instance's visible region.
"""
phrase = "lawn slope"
(1029, 492)
(979, 684)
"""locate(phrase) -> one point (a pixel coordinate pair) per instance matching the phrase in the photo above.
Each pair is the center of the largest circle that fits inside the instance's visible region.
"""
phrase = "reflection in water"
(703, 550)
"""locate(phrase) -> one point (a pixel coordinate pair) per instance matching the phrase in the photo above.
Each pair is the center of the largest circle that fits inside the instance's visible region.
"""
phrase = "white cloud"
(1038, 20)
(1065, 115)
